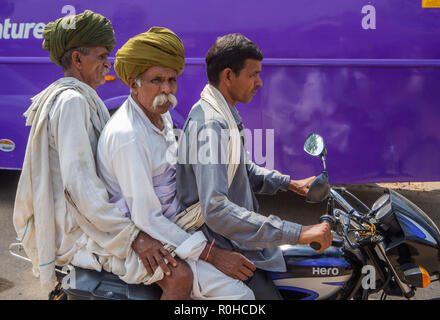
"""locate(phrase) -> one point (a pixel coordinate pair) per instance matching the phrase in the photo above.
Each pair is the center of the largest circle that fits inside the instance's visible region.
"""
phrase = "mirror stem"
(323, 163)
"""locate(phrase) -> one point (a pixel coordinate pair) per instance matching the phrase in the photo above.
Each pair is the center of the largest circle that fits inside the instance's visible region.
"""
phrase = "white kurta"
(132, 156)
(72, 149)
(67, 118)
(131, 152)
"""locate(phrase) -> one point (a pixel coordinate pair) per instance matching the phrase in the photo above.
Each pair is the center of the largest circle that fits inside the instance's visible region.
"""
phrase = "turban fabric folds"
(156, 47)
(87, 29)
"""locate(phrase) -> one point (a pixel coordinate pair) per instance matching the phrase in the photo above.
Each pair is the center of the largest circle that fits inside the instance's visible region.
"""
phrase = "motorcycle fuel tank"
(311, 275)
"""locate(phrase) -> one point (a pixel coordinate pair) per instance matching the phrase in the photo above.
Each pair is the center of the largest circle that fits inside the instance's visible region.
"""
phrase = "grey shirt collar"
(236, 116)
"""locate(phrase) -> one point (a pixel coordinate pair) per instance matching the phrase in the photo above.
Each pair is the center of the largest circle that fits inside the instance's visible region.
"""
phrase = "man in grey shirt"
(233, 66)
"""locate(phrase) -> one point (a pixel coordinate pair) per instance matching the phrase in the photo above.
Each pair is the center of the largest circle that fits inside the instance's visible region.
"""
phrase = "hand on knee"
(179, 284)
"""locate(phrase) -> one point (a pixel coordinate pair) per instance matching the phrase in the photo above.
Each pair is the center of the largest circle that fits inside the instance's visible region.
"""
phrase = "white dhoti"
(208, 282)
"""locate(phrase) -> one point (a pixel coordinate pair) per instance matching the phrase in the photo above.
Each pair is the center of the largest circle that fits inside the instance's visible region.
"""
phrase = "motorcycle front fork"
(376, 256)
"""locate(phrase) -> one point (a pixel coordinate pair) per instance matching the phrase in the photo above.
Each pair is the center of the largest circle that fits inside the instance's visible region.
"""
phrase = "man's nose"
(107, 63)
(259, 82)
(165, 87)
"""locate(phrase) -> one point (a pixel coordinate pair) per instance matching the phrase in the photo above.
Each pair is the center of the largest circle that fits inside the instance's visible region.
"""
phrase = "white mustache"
(161, 99)
(105, 70)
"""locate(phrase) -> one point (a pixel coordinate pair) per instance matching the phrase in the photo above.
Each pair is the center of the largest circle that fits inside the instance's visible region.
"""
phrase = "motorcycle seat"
(94, 285)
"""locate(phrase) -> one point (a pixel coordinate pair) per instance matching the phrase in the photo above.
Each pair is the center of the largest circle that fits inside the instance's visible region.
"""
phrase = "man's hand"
(316, 233)
(301, 186)
(231, 263)
(152, 253)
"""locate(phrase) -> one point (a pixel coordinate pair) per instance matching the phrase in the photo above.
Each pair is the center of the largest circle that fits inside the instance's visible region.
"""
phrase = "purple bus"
(364, 74)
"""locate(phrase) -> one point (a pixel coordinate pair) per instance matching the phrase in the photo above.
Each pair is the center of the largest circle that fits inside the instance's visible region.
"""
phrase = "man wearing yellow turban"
(62, 212)
(136, 160)
(156, 47)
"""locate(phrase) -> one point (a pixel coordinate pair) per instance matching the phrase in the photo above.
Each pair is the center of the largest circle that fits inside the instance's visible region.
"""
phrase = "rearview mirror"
(315, 145)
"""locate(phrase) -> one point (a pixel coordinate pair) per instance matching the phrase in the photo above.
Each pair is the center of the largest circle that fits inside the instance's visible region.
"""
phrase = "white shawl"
(34, 212)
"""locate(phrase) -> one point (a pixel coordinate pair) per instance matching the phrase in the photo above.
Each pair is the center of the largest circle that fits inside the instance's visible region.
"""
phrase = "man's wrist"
(293, 186)
(135, 242)
(204, 253)
(208, 254)
(285, 182)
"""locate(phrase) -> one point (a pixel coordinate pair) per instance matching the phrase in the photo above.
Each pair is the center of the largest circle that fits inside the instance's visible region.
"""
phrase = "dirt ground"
(289, 206)
(413, 186)
(18, 283)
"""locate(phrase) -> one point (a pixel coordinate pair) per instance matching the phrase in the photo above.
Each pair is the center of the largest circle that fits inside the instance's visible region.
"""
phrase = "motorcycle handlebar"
(324, 219)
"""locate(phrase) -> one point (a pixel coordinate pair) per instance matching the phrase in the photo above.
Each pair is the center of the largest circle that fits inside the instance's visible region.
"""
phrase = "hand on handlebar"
(301, 186)
(320, 233)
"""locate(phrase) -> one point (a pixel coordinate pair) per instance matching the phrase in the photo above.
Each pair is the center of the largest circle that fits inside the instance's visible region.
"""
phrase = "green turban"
(87, 29)
(156, 47)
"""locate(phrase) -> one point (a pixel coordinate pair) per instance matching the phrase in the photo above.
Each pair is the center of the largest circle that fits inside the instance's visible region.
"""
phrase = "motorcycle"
(393, 247)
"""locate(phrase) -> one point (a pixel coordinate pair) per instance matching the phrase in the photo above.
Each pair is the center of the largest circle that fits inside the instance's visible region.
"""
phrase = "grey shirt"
(231, 216)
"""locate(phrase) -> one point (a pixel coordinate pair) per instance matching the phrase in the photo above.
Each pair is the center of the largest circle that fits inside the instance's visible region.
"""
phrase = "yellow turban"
(156, 47)
(87, 29)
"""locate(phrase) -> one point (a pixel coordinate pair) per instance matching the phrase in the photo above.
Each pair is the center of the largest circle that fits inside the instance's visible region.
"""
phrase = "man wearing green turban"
(136, 161)
(87, 29)
(62, 212)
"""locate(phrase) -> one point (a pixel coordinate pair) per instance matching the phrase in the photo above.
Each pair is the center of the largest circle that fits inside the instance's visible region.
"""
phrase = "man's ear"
(226, 76)
(76, 59)
(132, 84)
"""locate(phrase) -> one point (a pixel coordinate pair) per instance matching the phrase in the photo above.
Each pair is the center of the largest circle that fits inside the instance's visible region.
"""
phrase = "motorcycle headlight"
(385, 215)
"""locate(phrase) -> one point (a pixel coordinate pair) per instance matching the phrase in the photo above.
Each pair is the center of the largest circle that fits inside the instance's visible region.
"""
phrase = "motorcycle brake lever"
(344, 219)
(341, 216)
(345, 230)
